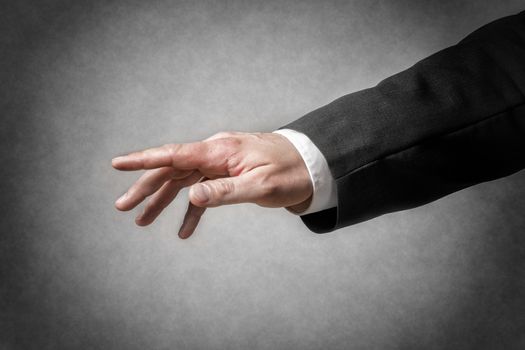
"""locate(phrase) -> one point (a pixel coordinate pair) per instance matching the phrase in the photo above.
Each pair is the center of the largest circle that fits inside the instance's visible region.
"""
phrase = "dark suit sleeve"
(454, 119)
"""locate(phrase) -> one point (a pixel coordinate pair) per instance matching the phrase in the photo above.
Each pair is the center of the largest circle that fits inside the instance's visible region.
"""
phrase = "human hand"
(227, 168)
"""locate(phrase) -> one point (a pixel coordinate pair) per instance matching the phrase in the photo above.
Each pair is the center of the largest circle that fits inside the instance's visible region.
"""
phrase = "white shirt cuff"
(324, 187)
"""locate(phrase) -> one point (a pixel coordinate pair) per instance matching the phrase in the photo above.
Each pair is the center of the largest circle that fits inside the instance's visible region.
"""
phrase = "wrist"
(300, 207)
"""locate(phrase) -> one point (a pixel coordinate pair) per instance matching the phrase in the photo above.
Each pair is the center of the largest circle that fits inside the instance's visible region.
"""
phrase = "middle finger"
(148, 184)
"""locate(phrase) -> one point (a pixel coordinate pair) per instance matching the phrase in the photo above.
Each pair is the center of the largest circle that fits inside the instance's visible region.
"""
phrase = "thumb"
(225, 190)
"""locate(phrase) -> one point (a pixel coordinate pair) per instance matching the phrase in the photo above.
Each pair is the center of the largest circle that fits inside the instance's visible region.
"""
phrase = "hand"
(227, 168)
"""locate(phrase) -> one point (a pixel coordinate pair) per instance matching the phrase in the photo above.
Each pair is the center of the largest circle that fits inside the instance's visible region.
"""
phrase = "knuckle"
(223, 187)
(231, 142)
(136, 192)
(168, 146)
(256, 135)
(222, 134)
(226, 147)
(171, 149)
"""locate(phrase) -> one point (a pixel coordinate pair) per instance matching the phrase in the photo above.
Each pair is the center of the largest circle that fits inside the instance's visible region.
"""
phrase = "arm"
(452, 120)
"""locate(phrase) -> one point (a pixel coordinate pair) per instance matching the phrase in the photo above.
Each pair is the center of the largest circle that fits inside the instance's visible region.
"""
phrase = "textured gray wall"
(83, 81)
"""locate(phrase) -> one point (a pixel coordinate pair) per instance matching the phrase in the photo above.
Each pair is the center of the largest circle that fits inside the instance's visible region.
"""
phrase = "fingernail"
(122, 198)
(117, 160)
(182, 234)
(201, 193)
(138, 219)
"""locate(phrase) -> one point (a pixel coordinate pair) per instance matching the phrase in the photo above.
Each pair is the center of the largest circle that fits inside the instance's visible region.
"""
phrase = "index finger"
(181, 156)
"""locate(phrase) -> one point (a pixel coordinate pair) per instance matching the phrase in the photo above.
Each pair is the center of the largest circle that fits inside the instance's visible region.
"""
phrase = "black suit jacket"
(452, 120)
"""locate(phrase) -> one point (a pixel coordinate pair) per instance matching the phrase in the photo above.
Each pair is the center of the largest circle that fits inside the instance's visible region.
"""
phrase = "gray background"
(83, 81)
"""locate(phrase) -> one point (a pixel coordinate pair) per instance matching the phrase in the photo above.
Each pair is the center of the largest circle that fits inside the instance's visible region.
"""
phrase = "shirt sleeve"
(324, 187)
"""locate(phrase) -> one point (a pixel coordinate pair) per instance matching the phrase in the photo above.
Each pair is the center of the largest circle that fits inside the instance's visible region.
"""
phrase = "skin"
(226, 168)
